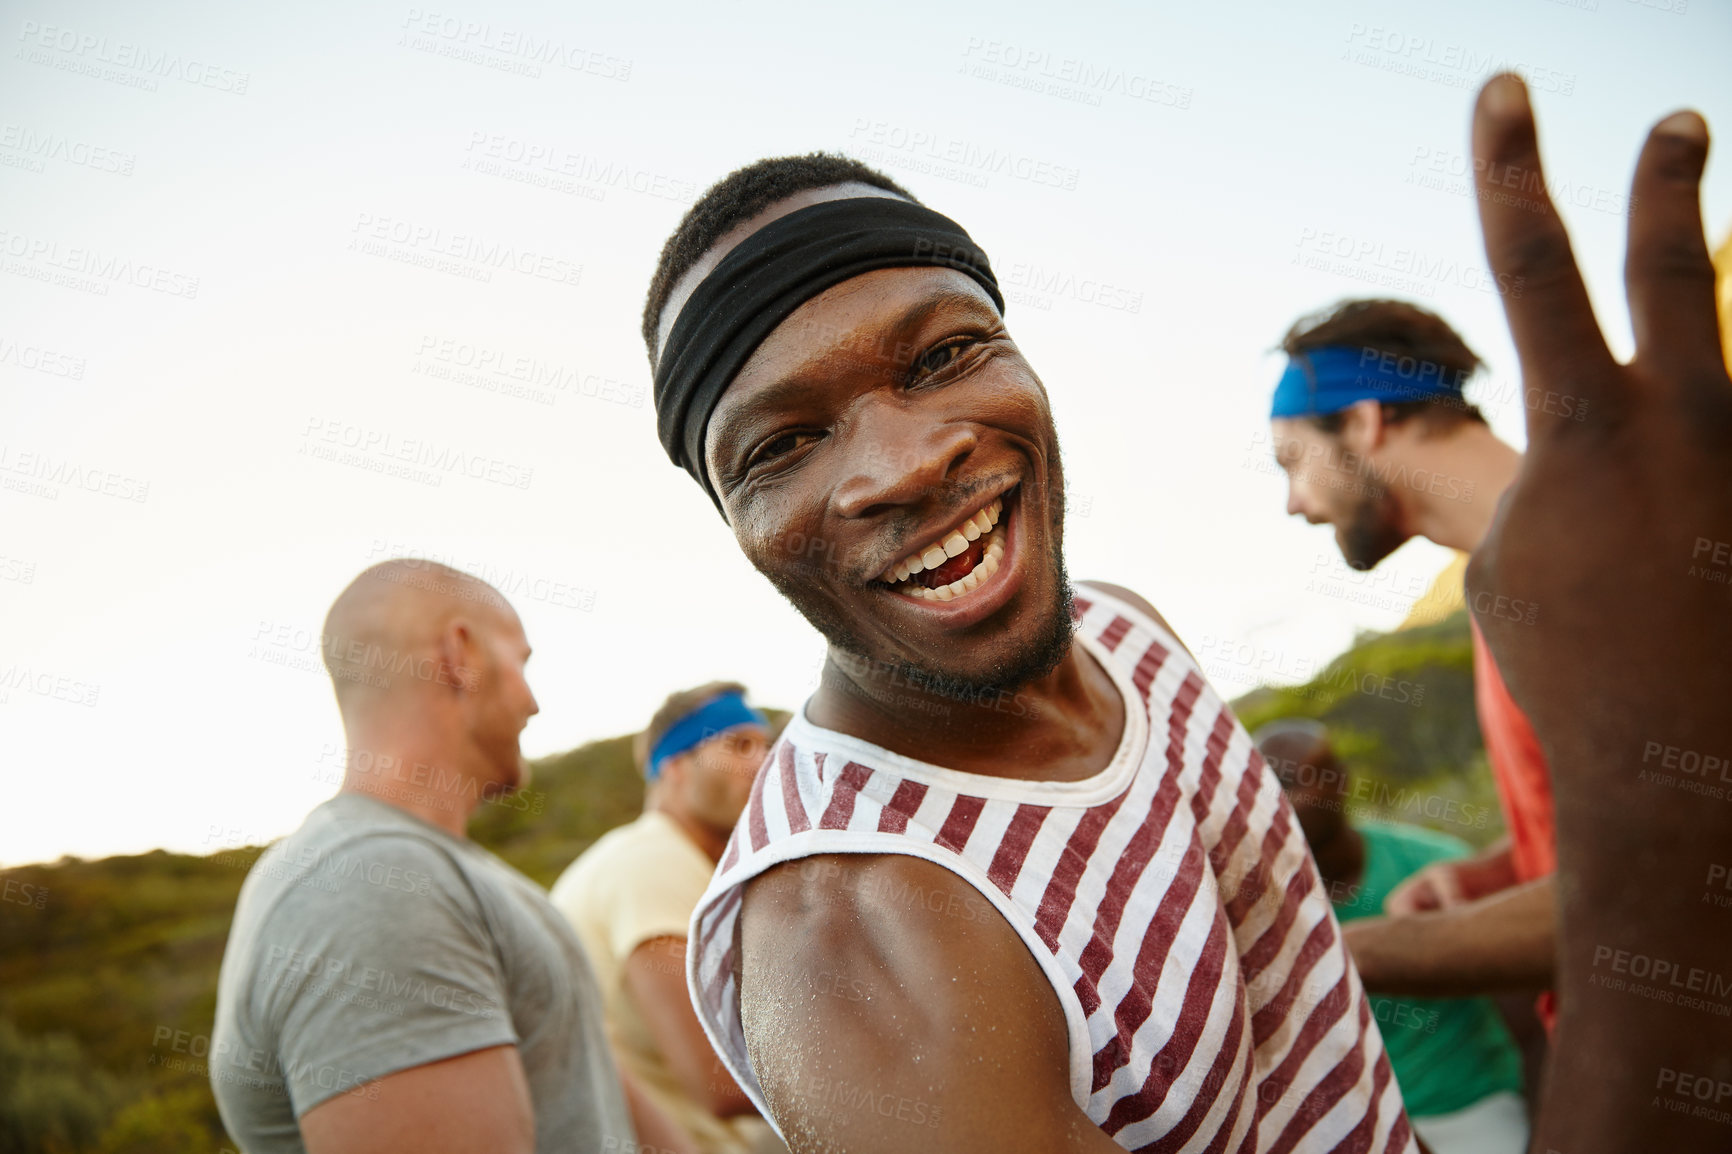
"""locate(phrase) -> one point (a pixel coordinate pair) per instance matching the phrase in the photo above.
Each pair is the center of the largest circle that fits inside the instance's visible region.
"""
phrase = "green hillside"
(108, 968)
(108, 990)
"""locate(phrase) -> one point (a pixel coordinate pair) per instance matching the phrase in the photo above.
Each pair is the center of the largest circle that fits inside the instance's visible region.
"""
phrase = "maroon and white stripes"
(1170, 899)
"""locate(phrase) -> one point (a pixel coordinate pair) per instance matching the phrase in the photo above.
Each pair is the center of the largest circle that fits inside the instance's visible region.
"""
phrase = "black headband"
(769, 275)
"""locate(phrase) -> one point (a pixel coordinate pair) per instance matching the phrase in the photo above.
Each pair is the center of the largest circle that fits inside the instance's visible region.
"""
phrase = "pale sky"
(235, 242)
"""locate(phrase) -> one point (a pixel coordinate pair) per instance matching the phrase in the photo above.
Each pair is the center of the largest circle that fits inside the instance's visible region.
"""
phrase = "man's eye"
(783, 444)
(936, 359)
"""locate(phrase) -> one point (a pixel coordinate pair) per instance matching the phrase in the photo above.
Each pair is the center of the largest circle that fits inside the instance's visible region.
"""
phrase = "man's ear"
(459, 656)
(1364, 430)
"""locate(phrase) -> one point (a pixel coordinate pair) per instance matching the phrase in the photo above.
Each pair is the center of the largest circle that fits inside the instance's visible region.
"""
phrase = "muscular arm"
(655, 979)
(1506, 941)
(888, 1007)
(475, 1103)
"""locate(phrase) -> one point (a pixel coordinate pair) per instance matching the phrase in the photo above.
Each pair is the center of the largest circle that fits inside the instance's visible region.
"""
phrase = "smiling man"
(1015, 877)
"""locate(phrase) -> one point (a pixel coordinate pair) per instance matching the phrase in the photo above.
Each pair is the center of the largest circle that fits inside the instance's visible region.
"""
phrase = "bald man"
(388, 985)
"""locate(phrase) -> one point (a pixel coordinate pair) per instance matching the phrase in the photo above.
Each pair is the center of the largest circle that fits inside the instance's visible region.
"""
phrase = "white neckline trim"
(1113, 779)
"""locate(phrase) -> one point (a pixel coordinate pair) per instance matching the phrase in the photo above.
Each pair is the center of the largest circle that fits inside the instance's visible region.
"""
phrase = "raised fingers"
(1549, 316)
(1667, 273)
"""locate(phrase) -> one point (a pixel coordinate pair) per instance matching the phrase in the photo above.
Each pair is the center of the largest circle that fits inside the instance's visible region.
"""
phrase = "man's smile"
(955, 562)
(960, 589)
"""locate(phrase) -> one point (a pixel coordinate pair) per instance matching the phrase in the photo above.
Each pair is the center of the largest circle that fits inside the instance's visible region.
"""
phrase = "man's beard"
(1039, 656)
(1371, 532)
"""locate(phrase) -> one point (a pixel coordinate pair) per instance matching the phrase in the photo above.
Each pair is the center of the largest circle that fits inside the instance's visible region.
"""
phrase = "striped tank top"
(1169, 899)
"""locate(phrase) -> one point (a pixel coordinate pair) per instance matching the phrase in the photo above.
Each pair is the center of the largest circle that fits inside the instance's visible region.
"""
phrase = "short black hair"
(739, 196)
(1401, 328)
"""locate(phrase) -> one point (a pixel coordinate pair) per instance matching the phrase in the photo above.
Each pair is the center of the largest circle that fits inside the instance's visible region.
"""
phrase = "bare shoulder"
(894, 978)
(869, 896)
(1138, 601)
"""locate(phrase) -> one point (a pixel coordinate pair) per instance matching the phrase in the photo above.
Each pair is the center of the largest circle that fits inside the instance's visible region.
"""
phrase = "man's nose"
(897, 456)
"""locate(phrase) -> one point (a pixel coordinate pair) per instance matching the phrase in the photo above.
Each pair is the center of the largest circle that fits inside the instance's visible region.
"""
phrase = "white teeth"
(988, 567)
(945, 592)
(953, 544)
(970, 581)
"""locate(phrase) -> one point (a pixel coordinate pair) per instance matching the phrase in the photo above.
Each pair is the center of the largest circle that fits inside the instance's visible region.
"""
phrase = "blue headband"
(1327, 380)
(716, 716)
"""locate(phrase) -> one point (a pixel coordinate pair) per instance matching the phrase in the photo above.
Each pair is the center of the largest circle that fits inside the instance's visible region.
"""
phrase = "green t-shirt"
(1447, 1053)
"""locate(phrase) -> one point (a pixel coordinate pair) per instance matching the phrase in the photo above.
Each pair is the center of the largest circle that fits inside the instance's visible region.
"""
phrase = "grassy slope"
(123, 952)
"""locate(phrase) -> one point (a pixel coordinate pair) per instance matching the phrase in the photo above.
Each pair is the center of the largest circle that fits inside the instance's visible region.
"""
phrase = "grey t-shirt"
(368, 942)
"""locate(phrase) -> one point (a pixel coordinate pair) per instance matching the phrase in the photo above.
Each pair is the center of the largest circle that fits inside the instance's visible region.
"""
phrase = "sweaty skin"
(874, 421)
(911, 409)
(1605, 530)
(878, 1024)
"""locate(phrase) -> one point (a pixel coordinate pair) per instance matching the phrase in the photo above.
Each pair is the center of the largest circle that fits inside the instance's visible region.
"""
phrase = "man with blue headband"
(631, 895)
(1370, 423)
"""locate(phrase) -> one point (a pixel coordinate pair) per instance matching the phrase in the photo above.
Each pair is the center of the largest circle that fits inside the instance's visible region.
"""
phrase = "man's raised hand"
(1618, 535)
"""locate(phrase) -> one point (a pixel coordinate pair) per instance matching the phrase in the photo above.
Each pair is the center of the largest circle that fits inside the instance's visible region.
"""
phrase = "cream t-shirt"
(641, 882)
